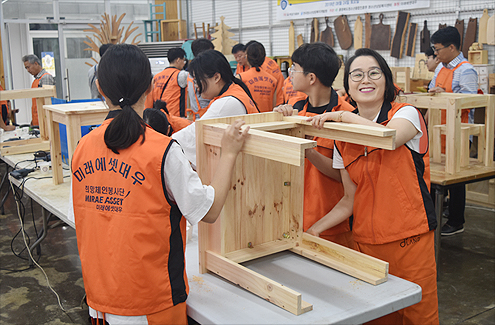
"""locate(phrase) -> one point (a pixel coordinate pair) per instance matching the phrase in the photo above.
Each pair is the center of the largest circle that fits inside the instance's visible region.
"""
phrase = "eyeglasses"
(437, 50)
(291, 69)
(373, 74)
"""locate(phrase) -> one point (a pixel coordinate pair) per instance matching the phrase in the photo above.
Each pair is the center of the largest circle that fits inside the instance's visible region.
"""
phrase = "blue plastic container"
(63, 129)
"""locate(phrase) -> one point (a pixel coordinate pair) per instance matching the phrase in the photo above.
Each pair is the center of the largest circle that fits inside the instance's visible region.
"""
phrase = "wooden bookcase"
(43, 97)
(263, 213)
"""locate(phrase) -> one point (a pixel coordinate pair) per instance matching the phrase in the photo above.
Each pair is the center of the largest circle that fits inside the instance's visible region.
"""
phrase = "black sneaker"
(448, 230)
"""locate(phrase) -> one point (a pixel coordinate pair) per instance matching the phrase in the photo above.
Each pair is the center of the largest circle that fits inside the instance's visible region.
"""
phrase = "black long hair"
(390, 91)
(256, 54)
(209, 62)
(124, 74)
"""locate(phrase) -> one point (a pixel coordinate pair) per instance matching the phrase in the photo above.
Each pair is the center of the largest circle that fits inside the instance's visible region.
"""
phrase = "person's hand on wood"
(436, 90)
(318, 120)
(233, 138)
(285, 109)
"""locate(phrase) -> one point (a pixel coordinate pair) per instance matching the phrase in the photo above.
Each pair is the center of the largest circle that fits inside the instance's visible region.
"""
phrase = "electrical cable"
(29, 251)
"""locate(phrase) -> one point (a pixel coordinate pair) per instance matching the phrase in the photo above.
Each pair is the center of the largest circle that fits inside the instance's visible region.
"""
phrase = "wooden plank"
(265, 249)
(490, 130)
(411, 39)
(400, 34)
(292, 38)
(272, 146)
(55, 149)
(375, 136)
(346, 260)
(273, 126)
(46, 91)
(260, 285)
(25, 148)
(358, 33)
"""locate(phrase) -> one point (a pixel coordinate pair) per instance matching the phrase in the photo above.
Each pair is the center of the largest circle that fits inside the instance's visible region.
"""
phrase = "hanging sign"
(298, 9)
(48, 62)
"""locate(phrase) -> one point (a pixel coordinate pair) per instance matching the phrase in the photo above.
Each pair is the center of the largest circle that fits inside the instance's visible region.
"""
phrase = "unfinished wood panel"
(173, 30)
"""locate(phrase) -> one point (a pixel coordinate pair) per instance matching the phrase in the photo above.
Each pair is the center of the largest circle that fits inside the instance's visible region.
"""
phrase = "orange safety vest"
(292, 96)
(5, 102)
(200, 111)
(444, 80)
(272, 68)
(241, 68)
(263, 87)
(34, 106)
(322, 193)
(177, 123)
(392, 199)
(130, 235)
(237, 92)
(167, 89)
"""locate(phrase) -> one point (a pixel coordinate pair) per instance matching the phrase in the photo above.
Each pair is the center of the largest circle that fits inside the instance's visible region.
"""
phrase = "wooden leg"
(349, 261)
(465, 146)
(258, 284)
(73, 135)
(436, 145)
(481, 144)
(56, 150)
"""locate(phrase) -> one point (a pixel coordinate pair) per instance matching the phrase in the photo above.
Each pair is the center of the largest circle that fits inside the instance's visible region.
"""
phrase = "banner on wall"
(48, 62)
(298, 9)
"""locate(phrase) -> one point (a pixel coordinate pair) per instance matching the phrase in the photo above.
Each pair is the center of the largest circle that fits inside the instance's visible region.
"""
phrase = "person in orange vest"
(271, 66)
(313, 72)
(387, 191)
(5, 114)
(228, 95)
(239, 52)
(161, 121)
(170, 85)
(261, 84)
(41, 78)
(454, 75)
(197, 103)
(132, 192)
(292, 96)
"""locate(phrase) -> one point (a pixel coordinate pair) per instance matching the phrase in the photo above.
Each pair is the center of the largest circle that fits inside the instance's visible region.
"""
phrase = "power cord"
(27, 246)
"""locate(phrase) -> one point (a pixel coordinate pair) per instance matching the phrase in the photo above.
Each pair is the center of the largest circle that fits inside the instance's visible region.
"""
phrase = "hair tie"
(124, 102)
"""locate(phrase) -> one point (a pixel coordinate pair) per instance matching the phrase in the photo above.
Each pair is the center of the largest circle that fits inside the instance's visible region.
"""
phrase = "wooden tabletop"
(468, 174)
(78, 108)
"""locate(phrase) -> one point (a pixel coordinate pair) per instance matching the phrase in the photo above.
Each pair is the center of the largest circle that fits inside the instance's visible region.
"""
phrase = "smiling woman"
(387, 191)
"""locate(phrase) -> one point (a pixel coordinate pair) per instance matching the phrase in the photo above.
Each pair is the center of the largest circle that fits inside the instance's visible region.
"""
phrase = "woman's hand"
(318, 120)
(233, 138)
(286, 109)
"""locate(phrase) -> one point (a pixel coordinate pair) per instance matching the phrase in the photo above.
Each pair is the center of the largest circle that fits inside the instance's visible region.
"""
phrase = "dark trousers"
(457, 205)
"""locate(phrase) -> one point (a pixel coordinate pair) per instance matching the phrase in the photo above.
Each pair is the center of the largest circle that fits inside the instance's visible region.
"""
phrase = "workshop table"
(441, 182)
(336, 297)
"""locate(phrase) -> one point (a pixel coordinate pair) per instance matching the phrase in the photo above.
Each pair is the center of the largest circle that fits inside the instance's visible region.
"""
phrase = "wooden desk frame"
(43, 97)
(453, 104)
(73, 116)
(261, 218)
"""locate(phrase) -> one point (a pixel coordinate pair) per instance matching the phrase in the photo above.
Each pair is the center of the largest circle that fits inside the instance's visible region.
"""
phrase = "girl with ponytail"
(229, 95)
(262, 85)
(132, 192)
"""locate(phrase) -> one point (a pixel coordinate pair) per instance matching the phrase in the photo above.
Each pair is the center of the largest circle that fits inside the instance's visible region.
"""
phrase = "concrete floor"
(466, 278)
